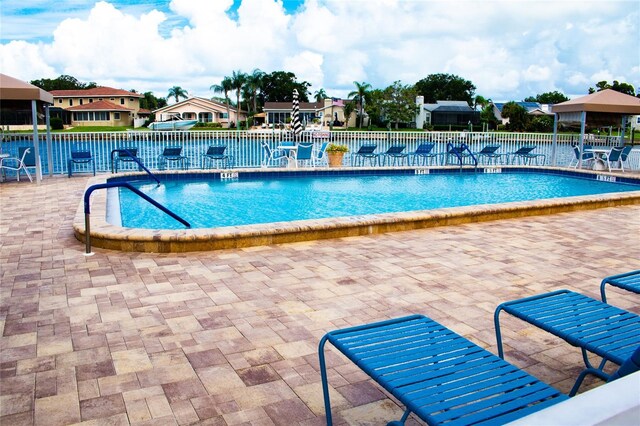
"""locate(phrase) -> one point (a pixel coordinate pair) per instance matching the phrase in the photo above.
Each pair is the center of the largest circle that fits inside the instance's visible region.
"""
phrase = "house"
(445, 113)
(100, 106)
(533, 108)
(328, 111)
(201, 109)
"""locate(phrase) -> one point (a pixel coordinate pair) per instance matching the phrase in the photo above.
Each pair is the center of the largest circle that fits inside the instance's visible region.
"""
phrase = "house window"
(121, 101)
(638, 119)
(99, 99)
(81, 101)
(70, 102)
(223, 115)
(116, 115)
(130, 99)
(90, 100)
(91, 116)
(59, 101)
(112, 99)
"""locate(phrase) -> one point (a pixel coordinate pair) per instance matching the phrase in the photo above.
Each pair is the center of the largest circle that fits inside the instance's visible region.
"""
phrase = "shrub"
(56, 123)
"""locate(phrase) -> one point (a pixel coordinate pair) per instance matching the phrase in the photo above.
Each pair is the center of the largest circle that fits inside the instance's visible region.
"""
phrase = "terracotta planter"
(335, 158)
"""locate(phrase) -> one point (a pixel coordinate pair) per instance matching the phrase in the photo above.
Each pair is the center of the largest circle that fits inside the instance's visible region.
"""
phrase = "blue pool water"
(211, 204)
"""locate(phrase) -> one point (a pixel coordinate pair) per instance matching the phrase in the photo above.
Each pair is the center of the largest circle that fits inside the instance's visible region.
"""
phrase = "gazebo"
(18, 94)
(606, 106)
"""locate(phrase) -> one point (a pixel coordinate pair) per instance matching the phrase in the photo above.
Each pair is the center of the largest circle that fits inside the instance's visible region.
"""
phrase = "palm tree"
(320, 95)
(480, 101)
(252, 86)
(359, 95)
(177, 92)
(238, 80)
(224, 87)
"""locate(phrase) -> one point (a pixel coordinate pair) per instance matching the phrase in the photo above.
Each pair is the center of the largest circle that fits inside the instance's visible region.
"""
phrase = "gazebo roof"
(607, 100)
(17, 90)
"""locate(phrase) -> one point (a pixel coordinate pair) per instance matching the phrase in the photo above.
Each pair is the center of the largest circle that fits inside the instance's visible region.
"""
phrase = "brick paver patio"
(230, 337)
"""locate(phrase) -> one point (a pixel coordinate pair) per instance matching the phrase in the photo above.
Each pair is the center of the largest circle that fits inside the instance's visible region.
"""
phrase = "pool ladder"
(458, 152)
(87, 210)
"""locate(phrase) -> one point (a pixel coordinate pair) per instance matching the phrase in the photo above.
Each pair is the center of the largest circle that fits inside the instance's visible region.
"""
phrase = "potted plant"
(335, 154)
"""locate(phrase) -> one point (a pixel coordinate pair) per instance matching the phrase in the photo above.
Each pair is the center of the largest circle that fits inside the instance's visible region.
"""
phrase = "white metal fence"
(245, 150)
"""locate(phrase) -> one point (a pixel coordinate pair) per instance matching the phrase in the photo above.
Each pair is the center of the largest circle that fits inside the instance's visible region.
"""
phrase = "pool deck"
(229, 337)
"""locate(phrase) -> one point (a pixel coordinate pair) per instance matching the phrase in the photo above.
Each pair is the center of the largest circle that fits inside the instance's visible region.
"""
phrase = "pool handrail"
(137, 160)
(87, 209)
(458, 150)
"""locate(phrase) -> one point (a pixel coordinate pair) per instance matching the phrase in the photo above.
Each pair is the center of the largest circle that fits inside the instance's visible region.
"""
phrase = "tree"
(64, 82)
(488, 116)
(177, 92)
(252, 86)
(617, 86)
(554, 97)
(150, 102)
(359, 95)
(480, 101)
(278, 87)
(517, 116)
(320, 95)
(224, 87)
(238, 80)
(436, 87)
(400, 105)
(348, 109)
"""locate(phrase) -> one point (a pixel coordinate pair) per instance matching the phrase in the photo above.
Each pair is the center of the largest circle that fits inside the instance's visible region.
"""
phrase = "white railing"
(245, 146)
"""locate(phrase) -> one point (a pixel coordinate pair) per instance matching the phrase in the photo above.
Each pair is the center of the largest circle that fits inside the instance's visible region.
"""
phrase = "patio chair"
(489, 154)
(363, 153)
(26, 160)
(304, 153)
(628, 281)
(593, 326)
(272, 156)
(80, 157)
(586, 157)
(394, 152)
(625, 156)
(437, 374)
(172, 154)
(320, 156)
(215, 154)
(122, 156)
(525, 155)
(612, 157)
(424, 152)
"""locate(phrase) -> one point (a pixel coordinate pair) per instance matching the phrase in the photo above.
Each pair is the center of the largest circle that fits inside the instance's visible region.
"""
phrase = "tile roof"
(96, 91)
(99, 106)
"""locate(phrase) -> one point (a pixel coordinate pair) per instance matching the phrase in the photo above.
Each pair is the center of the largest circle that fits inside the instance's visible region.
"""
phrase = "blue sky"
(509, 49)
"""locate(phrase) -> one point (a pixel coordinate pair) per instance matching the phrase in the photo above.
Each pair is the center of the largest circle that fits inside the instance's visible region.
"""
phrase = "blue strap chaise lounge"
(437, 374)
(629, 281)
(589, 324)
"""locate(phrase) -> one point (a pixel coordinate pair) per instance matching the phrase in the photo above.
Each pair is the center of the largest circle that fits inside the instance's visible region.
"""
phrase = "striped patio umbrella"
(296, 125)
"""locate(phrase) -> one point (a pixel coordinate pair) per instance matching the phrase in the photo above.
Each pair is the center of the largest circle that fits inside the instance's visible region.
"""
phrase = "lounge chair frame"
(593, 326)
(629, 281)
(172, 154)
(80, 157)
(437, 374)
(215, 154)
(366, 151)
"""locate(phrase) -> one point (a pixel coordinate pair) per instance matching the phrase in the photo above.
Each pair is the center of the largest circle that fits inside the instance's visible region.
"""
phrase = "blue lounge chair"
(628, 281)
(395, 152)
(624, 156)
(124, 156)
(591, 325)
(525, 155)
(80, 157)
(437, 374)
(320, 156)
(614, 156)
(214, 155)
(172, 154)
(424, 151)
(364, 152)
(489, 153)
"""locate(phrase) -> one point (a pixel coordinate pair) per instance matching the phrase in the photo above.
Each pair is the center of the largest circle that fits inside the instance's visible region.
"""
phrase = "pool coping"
(108, 236)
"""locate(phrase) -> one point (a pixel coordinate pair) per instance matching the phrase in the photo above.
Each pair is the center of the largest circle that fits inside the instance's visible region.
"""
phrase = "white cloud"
(509, 49)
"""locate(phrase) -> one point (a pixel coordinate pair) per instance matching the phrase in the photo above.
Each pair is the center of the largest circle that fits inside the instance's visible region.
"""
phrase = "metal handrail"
(136, 159)
(87, 210)
(451, 149)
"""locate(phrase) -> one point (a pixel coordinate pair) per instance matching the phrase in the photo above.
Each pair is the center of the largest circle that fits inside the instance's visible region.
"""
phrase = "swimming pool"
(263, 199)
(112, 235)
